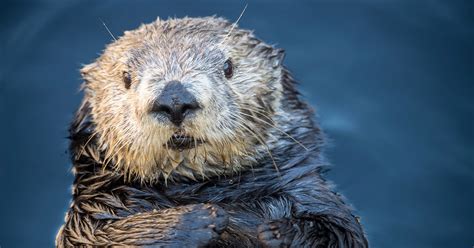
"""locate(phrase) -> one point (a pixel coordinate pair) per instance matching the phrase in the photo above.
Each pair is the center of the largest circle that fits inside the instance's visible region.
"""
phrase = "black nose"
(175, 103)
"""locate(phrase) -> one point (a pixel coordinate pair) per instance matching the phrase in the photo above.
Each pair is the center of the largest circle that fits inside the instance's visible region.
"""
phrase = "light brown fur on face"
(191, 51)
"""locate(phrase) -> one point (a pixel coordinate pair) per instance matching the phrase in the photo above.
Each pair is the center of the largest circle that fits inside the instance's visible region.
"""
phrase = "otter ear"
(277, 57)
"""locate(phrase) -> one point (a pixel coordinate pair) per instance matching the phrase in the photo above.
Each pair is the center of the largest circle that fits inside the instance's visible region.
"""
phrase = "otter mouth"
(181, 141)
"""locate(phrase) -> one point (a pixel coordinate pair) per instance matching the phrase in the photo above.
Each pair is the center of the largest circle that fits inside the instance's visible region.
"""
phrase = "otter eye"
(228, 69)
(127, 79)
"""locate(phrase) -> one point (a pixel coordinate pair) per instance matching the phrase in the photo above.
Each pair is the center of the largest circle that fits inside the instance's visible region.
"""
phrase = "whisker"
(235, 24)
(259, 139)
(87, 143)
(277, 128)
(205, 154)
(195, 150)
(109, 159)
(108, 30)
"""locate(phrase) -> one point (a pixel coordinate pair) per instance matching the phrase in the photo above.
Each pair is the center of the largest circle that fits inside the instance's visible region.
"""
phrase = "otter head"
(189, 97)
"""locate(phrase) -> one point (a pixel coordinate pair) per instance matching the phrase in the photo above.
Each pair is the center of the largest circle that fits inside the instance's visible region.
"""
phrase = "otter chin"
(191, 133)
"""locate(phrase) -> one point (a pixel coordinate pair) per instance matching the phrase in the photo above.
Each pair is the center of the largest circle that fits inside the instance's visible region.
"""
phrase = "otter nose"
(175, 103)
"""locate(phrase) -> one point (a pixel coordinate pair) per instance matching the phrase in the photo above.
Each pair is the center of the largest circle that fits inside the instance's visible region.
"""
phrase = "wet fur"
(257, 183)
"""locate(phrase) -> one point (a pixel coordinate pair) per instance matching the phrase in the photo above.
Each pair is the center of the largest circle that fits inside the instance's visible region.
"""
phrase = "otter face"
(186, 96)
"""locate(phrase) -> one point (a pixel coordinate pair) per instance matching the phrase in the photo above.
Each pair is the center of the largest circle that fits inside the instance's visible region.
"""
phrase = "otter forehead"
(167, 43)
(166, 59)
(179, 31)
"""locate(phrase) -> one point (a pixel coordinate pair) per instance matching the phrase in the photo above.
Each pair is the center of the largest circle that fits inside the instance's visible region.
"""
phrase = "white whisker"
(235, 23)
(108, 30)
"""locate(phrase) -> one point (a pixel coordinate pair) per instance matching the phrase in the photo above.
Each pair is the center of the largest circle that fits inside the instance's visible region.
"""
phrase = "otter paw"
(201, 224)
(275, 233)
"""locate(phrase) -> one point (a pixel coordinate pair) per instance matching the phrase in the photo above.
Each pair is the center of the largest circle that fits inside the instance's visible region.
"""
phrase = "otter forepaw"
(201, 224)
(276, 233)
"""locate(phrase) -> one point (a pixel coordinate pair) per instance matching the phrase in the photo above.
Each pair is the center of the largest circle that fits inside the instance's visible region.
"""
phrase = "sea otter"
(191, 134)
